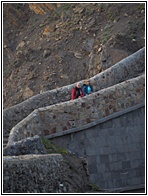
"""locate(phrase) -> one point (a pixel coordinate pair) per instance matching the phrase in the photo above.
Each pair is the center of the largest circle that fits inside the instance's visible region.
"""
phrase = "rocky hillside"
(46, 46)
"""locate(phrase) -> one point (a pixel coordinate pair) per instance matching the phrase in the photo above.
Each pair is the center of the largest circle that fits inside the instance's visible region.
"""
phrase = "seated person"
(87, 88)
(77, 92)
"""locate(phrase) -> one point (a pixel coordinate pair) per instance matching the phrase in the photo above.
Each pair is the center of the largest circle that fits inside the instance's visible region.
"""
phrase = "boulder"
(30, 145)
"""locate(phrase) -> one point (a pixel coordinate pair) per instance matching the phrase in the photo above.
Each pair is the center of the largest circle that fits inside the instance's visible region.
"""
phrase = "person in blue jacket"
(87, 88)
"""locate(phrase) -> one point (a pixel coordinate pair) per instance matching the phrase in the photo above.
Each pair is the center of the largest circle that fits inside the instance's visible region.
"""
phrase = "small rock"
(88, 45)
(100, 49)
(21, 44)
(63, 76)
(27, 93)
(46, 53)
(78, 55)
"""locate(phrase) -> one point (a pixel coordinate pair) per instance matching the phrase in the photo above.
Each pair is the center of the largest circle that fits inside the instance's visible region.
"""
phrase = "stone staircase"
(25, 108)
(66, 122)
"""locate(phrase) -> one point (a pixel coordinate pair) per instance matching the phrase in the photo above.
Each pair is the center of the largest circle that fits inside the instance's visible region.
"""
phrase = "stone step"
(4, 145)
(5, 140)
(6, 135)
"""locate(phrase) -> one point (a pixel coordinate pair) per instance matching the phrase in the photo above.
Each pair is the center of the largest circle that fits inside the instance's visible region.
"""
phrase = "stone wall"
(27, 168)
(127, 68)
(44, 174)
(77, 113)
(114, 149)
(30, 145)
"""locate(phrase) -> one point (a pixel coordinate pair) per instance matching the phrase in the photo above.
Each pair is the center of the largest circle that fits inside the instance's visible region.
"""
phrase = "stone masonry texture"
(77, 113)
(126, 69)
(115, 150)
(38, 173)
(30, 145)
(44, 174)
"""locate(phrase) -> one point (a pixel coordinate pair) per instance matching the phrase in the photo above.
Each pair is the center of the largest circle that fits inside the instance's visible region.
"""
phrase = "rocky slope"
(46, 46)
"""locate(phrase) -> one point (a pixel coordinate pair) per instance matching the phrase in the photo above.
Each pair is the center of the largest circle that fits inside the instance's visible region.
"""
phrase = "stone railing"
(77, 113)
(126, 69)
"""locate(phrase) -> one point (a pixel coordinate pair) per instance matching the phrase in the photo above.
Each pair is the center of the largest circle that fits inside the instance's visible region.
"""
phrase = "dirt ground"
(74, 42)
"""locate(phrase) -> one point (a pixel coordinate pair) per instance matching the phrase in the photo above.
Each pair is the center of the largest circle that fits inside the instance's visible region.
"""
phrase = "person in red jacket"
(77, 92)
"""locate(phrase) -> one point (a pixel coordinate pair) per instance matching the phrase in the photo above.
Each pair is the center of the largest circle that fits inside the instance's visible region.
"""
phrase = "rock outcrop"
(44, 174)
(45, 46)
(43, 8)
(30, 145)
